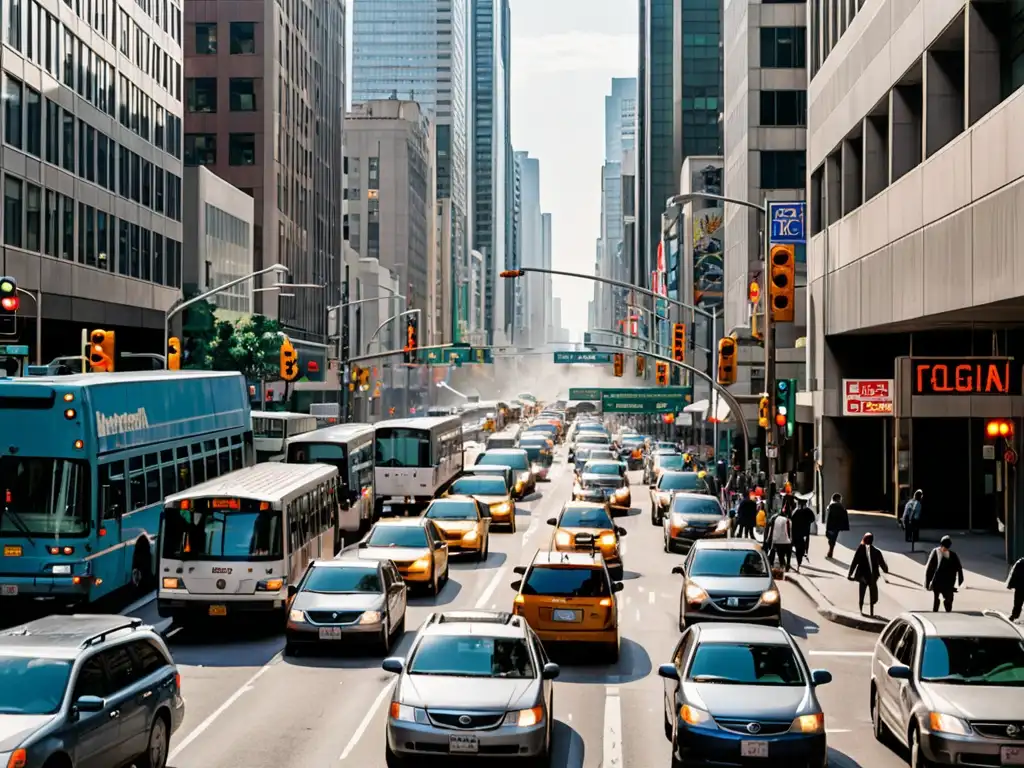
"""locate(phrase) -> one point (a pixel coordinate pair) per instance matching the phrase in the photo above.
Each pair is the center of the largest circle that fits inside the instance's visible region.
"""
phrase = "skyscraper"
(531, 315)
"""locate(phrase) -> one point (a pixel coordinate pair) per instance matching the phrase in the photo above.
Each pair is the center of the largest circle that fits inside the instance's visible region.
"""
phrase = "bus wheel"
(142, 575)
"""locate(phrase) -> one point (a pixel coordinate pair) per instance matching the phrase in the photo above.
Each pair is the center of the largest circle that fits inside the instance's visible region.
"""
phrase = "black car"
(692, 517)
(604, 482)
(738, 694)
(668, 485)
(728, 580)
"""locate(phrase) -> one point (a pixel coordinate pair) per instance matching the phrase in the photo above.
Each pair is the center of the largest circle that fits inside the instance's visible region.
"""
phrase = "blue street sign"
(15, 350)
(593, 358)
(787, 223)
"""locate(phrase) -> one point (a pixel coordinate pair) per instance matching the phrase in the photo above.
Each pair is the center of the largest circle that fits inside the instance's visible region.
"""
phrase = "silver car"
(475, 684)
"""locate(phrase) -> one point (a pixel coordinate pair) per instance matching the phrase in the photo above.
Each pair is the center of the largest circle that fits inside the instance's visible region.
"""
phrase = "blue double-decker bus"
(85, 463)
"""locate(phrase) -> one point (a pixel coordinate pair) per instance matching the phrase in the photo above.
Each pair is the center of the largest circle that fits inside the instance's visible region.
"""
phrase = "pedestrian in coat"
(802, 519)
(837, 520)
(943, 574)
(746, 517)
(1015, 581)
(866, 567)
(911, 518)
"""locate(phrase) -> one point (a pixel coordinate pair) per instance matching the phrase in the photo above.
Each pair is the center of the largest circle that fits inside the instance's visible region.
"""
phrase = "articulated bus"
(232, 545)
(86, 461)
(271, 431)
(349, 447)
(413, 460)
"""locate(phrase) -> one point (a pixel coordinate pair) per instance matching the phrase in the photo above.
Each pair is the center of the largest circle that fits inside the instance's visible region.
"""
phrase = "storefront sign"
(965, 376)
(868, 397)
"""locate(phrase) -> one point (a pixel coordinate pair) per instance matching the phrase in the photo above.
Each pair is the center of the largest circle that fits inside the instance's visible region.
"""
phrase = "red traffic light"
(780, 419)
(10, 303)
(999, 428)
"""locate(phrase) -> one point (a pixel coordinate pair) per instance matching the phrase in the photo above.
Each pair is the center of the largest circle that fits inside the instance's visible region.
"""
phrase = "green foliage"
(198, 333)
(252, 347)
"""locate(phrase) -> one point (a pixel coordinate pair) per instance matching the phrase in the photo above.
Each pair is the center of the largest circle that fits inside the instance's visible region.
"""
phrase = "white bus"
(413, 460)
(349, 447)
(232, 546)
(271, 430)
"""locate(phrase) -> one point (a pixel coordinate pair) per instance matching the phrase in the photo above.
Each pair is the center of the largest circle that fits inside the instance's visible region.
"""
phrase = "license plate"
(734, 602)
(560, 614)
(753, 749)
(8, 590)
(1011, 755)
(330, 633)
(463, 743)
(218, 610)
(12, 551)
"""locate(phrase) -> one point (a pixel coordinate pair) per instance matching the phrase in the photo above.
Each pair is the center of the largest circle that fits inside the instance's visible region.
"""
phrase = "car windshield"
(603, 455)
(222, 529)
(743, 664)
(729, 563)
(47, 497)
(585, 517)
(602, 468)
(472, 656)
(670, 461)
(591, 438)
(973, 661)
(453, 510)
(684, 505)
(346, 580)
(566, 582)
(516, 460)
(681, 481)
(398, 536)
(30, 686)
(582, 455)
(482, 485)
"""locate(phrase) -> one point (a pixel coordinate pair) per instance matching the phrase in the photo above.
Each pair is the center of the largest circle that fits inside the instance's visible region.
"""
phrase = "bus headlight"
(172, 582)
(270, 585)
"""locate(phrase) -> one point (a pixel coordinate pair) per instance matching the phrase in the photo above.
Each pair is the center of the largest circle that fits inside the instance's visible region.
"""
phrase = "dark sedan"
(738, 695)
(693, 517)
(670, 483)
(728, 580)
(604, 482)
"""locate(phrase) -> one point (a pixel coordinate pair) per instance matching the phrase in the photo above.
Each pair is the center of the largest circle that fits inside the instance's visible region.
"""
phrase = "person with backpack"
(1015, 581)
(837, 520)
(911, 519)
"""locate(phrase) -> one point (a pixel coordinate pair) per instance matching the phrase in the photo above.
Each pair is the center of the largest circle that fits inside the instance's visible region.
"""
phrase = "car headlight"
(695, 594)
(722, 525)
(943, 723)
(525, 718)
(502, 507)
(809, 723)
(423, 564)
(172, 582)
(696, 717)
(370, 617)
(608, 540)
(562, 539)
(770, 597)
(407, 714)
(297, 616)
(270, 585)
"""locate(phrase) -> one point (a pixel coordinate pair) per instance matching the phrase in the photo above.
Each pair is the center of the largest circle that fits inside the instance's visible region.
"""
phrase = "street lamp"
(381, 326)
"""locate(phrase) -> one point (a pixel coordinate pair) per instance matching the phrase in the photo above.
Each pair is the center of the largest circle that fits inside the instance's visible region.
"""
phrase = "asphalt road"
(247, 705)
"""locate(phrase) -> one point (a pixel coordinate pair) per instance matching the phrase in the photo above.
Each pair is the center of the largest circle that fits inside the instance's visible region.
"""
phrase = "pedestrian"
(911, 519)
(1015, 581)
(837, 520)
(943, 574)
(746, 517)
(866, 568)
(782, 539)
(802, 519)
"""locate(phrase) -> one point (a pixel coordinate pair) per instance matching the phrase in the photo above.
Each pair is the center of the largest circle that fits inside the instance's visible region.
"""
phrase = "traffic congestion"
(563, 590)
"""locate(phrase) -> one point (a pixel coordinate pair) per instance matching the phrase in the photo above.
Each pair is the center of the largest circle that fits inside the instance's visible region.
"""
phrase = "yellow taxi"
(491, 491)
(585, 526)
(569, 597)
(415, 545)
(465, 523)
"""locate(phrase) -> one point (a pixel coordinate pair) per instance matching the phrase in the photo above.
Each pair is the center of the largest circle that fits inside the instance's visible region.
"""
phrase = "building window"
(784, 108)
(202, 94)
(242, 149)
(101, 159)
(206, 39)
(33, 216)
(12, 28)
(243, 37)
(243, 94)
(12, 111)
(68, 212)
(52, 133)
(101, 240)
(122, 246)
(68, 133)
(783, 170)
(783, 47)
(34, 120)
(12, 211)
(52, 224)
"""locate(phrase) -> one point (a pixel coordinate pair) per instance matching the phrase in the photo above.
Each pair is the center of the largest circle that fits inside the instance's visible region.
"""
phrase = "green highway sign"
(591, 358)
(481, 355)
(447, 356)
(584, 394)
(654, 400)
(15, 350)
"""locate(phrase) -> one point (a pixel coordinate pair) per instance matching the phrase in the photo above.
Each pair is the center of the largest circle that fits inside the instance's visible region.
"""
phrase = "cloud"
(574, 52)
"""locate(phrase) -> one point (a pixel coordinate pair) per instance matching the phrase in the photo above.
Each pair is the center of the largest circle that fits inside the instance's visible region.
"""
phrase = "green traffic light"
(7, 287)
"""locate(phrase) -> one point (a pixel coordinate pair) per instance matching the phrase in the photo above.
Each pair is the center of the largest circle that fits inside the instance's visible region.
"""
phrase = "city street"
(247, 705)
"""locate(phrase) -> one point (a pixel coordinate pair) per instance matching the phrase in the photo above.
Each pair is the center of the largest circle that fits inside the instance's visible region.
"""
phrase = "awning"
(720, 412)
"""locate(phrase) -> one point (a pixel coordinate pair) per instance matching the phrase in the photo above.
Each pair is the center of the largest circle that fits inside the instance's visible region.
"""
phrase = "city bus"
(232, 545)
(349, 448)
(272, 429)
(86, 461)
(414, 459)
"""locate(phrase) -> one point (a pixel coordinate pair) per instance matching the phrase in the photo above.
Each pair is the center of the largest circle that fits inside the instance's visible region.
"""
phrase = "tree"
(198, 333)
(252, 347)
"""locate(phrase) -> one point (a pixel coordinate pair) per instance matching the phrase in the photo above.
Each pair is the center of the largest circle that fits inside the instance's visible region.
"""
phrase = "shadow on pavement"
(494, 560)
(535, 496)
(240, 644)
(448, 594)
(797, 625)
(567, 747)
(629, 576)
(837, 759)
(582, 663)
(349, 655)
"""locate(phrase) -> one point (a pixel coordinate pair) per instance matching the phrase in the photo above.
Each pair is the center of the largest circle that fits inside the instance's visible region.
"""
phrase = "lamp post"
(373, 337)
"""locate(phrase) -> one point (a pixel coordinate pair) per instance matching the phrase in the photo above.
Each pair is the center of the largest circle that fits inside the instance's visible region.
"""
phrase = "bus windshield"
(331, 454)
(205, 532)
(44, 497)
(265, 426)
(401, 447)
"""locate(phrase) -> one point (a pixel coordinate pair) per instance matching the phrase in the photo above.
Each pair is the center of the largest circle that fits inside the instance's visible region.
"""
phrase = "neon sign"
(966, 376)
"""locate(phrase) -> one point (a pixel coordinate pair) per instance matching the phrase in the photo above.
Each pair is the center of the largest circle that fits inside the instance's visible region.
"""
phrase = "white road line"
(173, 632)
(489, 590)
(612, 728)
(651, 597)
(367, 720)
(199, 729)
(140, 603)
(840, 653)
(829, 731)
(531, 530)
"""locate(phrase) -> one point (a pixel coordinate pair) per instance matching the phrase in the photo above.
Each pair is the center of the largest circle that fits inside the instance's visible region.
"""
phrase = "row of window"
(201, 94)
(784, 47)
(201, 149)
(241, 38)
(43, 221)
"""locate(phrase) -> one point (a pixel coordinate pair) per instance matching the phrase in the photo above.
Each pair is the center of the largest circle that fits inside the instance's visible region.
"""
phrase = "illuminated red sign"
(965, 376)
(868, 397)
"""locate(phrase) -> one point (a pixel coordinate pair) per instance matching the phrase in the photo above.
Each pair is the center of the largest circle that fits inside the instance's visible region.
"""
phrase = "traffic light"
(727, 361)
(512, 273)
(411, 338)
(679, 342)
(641, 366)
(289, 360)
(617, 363)
(783, 286)
(995, 428)
(763, 413)
(102, 351)
(785, 406)
(174, 354)
(661, 374)
(9, 303)
(364, 378)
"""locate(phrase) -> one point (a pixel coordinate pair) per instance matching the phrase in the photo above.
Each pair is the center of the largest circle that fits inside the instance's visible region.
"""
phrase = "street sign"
(659, 400)
(576, 393)
(586, 358)
(15, 350)
(787, 223)
(773, 451)
(446, 356)
(480, 355)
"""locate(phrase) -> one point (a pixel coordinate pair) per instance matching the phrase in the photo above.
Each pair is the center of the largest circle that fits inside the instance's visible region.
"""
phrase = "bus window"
(198, 475)
(250, 452)
(136, 483)
(400, 447)
(211, 464)
(236, 452)
(153, 495)
(223, 456)
(111, 475)
(170, 477)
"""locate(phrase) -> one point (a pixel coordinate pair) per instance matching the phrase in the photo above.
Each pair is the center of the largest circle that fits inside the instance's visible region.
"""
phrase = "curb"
(829, 611)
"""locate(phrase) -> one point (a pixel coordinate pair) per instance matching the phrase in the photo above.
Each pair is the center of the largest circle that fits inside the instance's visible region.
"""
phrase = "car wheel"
(876, 716)
(155, 755)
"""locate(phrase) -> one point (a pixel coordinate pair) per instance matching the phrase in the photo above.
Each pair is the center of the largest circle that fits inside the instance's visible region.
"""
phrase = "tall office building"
(548, 295)
(397, 50)
(264, 109)
(491, 143)
(513, 288)
(92, 169)
(532, 312)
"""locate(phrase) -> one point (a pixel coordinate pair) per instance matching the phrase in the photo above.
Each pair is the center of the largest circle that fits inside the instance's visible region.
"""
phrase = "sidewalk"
(826, 583)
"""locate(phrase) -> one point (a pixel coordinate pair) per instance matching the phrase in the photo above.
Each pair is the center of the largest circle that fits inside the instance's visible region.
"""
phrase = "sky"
(564, 55)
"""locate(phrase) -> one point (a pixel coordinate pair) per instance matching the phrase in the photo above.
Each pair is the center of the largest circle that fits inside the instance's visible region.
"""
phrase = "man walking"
(802, 520)
(911, 518)
(837, 520)
(746, 516)
(866, 568)
(943, 574)
(1015, 581)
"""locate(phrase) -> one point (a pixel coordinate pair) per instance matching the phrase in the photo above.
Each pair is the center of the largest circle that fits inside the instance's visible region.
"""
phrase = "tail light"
(177, 681)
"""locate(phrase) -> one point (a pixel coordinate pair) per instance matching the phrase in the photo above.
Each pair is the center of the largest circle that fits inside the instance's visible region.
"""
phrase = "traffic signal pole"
(771, 447)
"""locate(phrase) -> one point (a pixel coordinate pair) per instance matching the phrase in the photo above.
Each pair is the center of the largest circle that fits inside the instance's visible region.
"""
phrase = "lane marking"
(840, 653)
(651, 597)
(829, 731)
(637, 615)
(489, 589)
(354, 741)
(612, 728)
(531, 530)
(199, 729)
(142, 602)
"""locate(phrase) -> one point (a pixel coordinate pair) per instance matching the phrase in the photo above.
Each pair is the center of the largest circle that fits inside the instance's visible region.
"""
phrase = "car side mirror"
(899, 672)
(668, 671)
(621, 532)
(552, 521)
(90, 704)
(550, 671)
(293, 590)
(679, 570)
(820, 677)
(363, 544)
(520, 569)
(517, 584)
(617, 586)
(393, 664)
